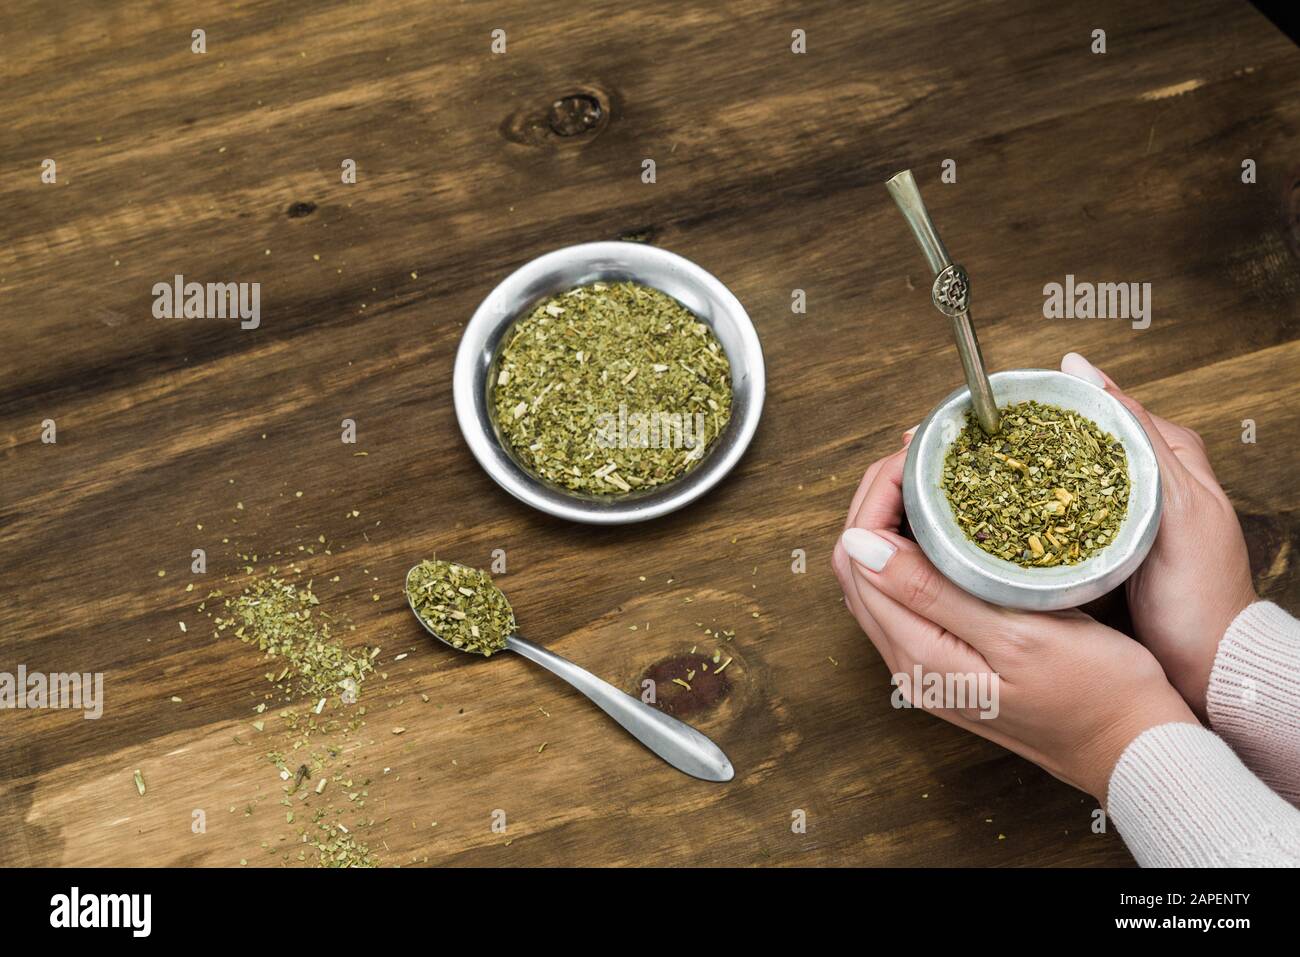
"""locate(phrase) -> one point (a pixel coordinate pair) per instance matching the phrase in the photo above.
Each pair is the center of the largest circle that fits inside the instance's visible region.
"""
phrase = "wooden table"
(179, 434)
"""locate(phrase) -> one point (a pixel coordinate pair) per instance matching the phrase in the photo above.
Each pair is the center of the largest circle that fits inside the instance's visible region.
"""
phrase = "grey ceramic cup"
(1002, 582)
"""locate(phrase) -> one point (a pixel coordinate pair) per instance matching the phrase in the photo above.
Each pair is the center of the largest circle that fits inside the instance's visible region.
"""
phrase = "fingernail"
(1076, 365)
(867, 548)
(912, 430)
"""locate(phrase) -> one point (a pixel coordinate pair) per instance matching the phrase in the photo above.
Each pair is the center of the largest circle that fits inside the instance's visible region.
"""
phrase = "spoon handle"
(677, 743)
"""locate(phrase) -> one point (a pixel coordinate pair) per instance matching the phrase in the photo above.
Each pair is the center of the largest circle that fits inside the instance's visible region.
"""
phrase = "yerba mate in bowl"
(611, 388)
(596, 494)
(947, 513)
(1049, 488)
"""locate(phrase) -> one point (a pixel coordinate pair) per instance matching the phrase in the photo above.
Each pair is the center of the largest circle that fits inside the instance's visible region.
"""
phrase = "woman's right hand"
(1196, 578)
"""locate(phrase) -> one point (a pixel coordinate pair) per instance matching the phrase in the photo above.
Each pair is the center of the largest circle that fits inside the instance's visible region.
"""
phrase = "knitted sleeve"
(1180, 797)
(1253, 697)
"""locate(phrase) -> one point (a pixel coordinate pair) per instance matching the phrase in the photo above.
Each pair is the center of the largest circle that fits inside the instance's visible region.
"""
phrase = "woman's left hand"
(1071, 692)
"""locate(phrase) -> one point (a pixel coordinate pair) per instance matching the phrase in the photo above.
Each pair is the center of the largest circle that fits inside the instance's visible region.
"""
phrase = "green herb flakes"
(461, 605)
(611, 388)
(282, 620)
(1050, 488)
(336, 847)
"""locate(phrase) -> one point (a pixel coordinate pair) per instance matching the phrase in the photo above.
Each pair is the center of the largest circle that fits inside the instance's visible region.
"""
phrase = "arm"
(1253, 696)
(1233, 658)
(1077, 698)
(1180, 798)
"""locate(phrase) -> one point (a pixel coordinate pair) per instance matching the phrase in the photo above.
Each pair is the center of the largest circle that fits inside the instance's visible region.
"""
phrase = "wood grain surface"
(180, 434)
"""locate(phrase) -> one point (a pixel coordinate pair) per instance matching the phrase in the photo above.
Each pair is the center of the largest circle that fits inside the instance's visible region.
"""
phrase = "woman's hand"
(1197, 577)
(1072, 693)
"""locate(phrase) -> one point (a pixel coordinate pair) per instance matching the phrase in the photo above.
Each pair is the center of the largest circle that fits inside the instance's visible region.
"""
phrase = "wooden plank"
(1118, 167)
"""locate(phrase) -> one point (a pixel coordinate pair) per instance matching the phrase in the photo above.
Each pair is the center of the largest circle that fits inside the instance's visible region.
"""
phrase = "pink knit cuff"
(1253, 697)
(1180, 798)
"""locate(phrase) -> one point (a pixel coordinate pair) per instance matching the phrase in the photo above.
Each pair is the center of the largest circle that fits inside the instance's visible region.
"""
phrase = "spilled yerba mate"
(461, 605)
(1050, 488)
(309, 659)
(611, 388)
(282, 621)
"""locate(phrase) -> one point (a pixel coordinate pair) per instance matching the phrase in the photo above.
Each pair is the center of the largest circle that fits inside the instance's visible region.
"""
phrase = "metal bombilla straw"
(950, 294)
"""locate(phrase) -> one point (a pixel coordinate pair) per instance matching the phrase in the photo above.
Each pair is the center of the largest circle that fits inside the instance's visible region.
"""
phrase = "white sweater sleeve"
(1180, 797)
(1254, 695)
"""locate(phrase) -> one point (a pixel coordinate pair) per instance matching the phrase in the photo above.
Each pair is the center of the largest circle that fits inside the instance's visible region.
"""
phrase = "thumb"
(1172, 470)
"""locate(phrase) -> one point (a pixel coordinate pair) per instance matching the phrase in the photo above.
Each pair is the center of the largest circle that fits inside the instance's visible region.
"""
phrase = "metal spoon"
(676, 742)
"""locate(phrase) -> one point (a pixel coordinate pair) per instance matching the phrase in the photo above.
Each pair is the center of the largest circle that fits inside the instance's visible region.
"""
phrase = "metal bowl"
(1002, 582)
(558, 271)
